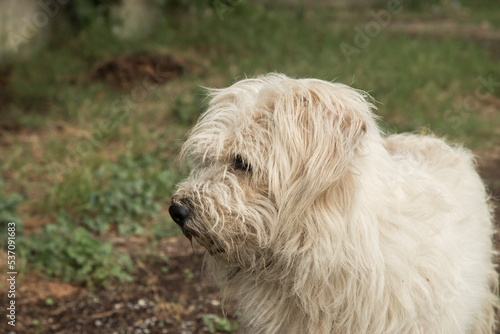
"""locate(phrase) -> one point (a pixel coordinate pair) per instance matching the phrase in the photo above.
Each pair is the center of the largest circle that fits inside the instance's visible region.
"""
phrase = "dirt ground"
(170, 292)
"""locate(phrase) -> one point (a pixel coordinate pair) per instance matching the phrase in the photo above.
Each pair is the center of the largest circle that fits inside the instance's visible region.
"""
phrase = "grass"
(64, 250)
(66, 157)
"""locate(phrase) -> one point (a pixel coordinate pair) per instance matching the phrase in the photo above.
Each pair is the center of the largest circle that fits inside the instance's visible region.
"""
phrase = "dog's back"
(428, 165)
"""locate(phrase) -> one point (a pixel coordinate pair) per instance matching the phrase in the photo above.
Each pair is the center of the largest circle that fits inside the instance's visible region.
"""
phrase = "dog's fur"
(316, 223)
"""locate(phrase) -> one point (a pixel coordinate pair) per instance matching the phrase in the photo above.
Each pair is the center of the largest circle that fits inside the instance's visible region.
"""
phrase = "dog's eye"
(240, 164)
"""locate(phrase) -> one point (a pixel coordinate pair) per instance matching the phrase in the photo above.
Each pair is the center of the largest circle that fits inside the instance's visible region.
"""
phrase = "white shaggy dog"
(316, 223)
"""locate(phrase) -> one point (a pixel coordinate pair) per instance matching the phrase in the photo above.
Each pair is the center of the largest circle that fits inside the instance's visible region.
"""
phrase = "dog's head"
(269, 154)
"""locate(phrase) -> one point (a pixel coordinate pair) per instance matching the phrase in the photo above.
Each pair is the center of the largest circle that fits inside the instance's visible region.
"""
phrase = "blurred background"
(96, 98)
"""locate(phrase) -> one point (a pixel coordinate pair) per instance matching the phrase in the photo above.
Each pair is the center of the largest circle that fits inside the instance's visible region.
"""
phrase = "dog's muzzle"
(179, 213)
(182, 214)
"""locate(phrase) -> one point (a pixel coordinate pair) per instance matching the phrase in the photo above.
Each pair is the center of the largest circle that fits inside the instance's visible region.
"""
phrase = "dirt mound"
(142, 68)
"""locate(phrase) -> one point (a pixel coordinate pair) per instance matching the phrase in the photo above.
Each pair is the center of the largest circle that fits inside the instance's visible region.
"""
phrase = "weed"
(8, 213)
(9, 204)
(74, 254)
(188, 274)
(217, 324)
(133, 190)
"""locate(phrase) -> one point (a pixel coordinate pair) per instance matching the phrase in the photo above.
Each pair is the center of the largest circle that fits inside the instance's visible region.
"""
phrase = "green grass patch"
(64, 250)
(125, 195)
(9, 203)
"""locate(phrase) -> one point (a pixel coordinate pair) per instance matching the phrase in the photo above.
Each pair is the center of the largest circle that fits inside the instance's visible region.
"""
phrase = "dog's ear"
(333, 129)
(344, 123)
(321, 129)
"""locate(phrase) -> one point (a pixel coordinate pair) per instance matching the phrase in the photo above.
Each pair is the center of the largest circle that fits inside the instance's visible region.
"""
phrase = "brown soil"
(139, 69)
(170, 301)
(167, 296)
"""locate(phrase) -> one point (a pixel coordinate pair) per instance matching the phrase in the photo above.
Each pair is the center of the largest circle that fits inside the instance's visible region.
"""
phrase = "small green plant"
(75, 255)
(8, 213)
(188, 274)
(218, 324)
(132, 192)
(9, 203)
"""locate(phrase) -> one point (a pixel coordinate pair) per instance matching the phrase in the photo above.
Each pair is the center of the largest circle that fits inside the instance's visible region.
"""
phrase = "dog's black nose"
(179, 213)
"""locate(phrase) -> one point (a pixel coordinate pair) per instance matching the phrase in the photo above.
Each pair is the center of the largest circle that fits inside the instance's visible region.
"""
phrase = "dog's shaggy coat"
(316, 223)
